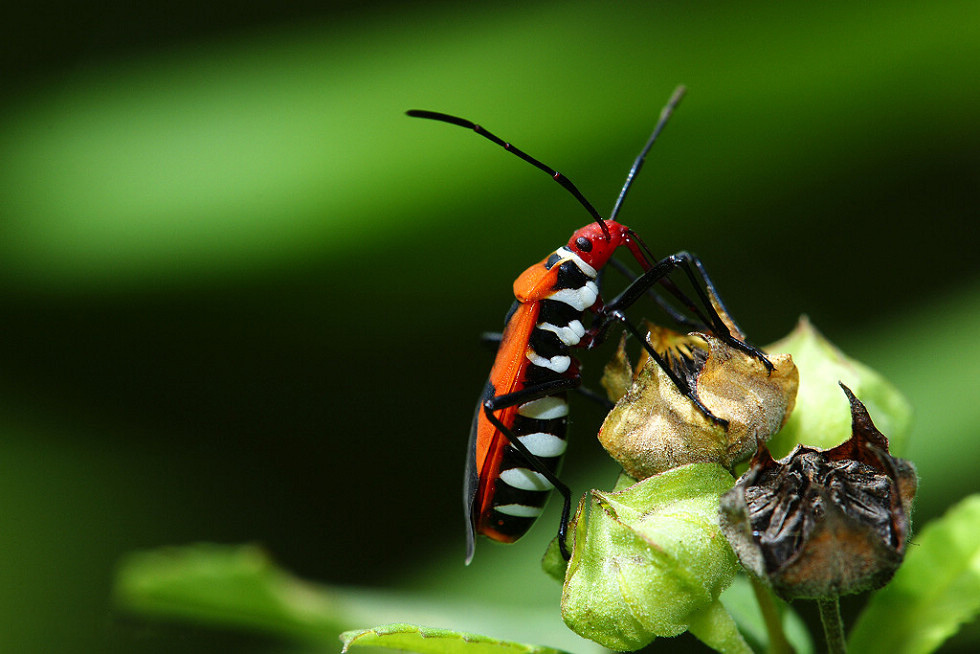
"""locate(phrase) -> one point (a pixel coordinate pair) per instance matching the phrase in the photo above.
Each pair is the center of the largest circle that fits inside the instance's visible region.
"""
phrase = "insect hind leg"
(539, 391)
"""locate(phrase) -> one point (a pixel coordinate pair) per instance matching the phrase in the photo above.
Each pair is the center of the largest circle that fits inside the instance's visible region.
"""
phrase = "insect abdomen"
(520, 493)
(516, 492)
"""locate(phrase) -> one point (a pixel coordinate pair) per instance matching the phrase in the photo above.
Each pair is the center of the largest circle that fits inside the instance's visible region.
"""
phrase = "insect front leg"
(659, 273)
(675, 315)
(685, 261)
(679, 382)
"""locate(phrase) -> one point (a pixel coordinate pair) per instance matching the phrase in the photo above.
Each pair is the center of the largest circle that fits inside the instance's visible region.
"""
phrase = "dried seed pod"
(654, 427)
(823, 523)
(617, 375)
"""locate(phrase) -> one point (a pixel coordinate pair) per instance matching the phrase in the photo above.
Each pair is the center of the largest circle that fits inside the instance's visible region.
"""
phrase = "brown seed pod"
(823, 523)
(654, 428)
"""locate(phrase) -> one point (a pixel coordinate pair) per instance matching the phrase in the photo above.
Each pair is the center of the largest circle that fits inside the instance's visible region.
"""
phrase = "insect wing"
(471, 481)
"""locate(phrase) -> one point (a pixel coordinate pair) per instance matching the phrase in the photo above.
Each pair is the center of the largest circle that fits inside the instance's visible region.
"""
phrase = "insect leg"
(598, 398)
(684, 261)
(491, 340)
(721, 330)
(675, 315)
(679, 382)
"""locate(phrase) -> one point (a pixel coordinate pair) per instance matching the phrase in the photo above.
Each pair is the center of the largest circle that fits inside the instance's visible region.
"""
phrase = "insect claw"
(755, 353)
(721, 422)
(563, 546)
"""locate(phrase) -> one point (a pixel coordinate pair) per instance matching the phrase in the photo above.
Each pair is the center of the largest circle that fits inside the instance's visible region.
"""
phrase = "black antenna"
(557, 176)
(664, 117)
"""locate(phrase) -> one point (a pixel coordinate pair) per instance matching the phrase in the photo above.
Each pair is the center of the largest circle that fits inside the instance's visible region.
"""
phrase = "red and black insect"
(518, 435)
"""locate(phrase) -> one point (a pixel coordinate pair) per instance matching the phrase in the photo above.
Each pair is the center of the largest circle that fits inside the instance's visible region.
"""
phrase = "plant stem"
(771, 615)
(833, 626)
(714, 626)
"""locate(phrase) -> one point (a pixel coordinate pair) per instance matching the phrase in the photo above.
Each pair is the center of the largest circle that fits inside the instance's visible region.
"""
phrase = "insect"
(518, 433)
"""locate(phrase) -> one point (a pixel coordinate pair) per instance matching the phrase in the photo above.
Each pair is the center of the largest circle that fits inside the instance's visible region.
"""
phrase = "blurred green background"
(241, 292)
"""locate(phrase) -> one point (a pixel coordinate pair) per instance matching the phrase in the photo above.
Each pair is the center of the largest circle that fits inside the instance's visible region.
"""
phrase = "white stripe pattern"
(580, 298)
(557, 364)
(546, 408)
(543, 445)
(571, 334)
(519, 510)
(524, 479)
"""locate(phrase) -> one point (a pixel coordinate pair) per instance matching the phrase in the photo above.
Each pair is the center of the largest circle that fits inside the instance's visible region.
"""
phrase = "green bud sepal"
(822, 417)
(650, 560)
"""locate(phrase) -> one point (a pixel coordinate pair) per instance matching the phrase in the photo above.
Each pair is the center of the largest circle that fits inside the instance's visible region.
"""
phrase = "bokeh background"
(241, 293)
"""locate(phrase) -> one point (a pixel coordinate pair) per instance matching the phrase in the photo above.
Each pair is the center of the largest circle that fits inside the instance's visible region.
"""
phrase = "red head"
(597, 242)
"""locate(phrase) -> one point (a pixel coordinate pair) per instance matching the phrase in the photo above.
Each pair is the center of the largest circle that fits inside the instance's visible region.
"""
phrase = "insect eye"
(583, 244)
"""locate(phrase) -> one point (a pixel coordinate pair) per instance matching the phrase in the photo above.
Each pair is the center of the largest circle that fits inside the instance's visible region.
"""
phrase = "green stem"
(714, 627)
(833, 626)
(772, 617)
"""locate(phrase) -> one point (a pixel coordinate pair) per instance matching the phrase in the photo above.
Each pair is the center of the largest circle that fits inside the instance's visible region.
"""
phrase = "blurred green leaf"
(426, 640)
(930, 354)
(293, 144)
(933, 594)
(229, 586)
(239, 586)
(822, 417)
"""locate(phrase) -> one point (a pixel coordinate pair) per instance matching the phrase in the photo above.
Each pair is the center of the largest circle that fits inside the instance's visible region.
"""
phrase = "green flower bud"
(649, 560)
(823, 523)
(654, 427)
(822, 418)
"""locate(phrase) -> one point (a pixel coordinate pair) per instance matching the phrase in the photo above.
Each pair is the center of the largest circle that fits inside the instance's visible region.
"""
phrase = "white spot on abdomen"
(543, 445)
(578, 298)
(547, 408)
(519, 510)
(558, 364)
(524, 479)
(570, 334)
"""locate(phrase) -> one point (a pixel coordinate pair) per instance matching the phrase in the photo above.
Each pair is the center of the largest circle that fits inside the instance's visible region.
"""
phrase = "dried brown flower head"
(823, 523)
(654, 427)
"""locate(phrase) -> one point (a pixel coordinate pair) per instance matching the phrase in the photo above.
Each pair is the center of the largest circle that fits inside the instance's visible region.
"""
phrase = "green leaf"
(428, 640)
(228, 586)
(238, 586)
(822, 417)
(933, 594)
